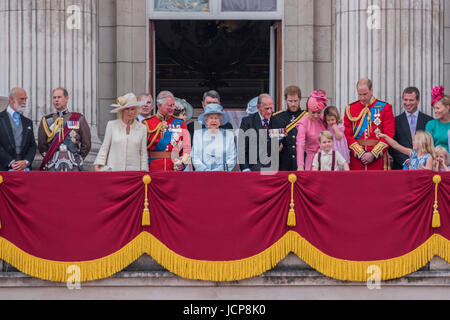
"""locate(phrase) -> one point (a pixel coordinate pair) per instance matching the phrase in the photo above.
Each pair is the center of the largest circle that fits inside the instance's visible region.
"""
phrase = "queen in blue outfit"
(214, 148)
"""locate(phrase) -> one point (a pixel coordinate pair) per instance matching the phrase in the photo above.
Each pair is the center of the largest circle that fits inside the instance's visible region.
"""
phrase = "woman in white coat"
(125, 145)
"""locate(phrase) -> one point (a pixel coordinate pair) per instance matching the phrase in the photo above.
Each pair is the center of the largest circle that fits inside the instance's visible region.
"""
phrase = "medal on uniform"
(377, 120)
(174, 128)
(73, 125)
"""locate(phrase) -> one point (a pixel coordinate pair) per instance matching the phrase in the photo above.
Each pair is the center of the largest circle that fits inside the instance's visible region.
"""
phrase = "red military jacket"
(361, 126)
(167, 140)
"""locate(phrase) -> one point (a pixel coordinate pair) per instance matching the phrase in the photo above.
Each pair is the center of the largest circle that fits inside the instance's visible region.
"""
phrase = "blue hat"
(251, 106)
(214, 108)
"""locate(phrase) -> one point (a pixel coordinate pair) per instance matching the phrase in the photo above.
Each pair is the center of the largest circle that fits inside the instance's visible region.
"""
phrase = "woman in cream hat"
(125, 145)
(214, 148)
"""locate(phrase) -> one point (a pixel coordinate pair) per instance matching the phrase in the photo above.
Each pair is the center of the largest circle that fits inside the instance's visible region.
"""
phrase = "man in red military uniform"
(168, 143)
(363, 120)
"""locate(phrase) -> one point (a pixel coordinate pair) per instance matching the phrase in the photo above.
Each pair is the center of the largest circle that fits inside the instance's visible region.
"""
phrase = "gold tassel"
(436, 221)
(291, 222)
(146, 214)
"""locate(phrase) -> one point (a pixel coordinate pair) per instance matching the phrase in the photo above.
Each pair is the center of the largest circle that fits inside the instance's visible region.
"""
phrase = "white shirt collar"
(10, 110)
(327, 153)
(410, 114)
(262, 118)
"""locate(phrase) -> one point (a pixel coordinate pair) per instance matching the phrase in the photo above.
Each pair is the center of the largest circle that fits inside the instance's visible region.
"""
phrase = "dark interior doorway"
(232, 57)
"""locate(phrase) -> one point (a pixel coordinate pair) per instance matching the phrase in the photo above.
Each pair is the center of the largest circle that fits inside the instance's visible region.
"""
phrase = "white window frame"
(215, 13)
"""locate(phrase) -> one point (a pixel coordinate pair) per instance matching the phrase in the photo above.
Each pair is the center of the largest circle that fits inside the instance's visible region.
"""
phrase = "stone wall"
(308, 43)
(122, 53)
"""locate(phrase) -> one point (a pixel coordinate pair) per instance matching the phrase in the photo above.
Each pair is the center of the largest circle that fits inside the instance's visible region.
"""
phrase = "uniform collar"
(62, 113)
(161, 117)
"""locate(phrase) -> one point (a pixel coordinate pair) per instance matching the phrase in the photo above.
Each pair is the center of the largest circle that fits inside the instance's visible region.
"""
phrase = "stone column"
(48, 44)
(398, 44)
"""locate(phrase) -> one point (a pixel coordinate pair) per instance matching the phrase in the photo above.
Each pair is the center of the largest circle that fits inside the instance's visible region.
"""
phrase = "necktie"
(16, 117)
(266, 124)
(412, 124)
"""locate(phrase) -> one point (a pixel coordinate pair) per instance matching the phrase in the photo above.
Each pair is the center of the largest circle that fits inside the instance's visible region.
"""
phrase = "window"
(215, 9)
(181, 5)
(249, 5)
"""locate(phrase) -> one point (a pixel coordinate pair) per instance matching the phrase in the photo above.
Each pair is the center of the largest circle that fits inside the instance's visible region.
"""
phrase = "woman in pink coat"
(309, 129)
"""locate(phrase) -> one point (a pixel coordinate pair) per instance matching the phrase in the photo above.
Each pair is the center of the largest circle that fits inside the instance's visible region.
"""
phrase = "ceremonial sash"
(293, 124)
(378, 106)
(165, 140)
(57, 141)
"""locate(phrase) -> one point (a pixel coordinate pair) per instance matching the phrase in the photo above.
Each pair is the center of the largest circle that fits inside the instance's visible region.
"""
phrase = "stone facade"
(326, 45)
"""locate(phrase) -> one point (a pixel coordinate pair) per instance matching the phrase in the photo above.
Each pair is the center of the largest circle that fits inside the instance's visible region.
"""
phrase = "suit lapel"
(24, 131)
(7, 125)
(405, 127)
(420, 121)
(257, 121)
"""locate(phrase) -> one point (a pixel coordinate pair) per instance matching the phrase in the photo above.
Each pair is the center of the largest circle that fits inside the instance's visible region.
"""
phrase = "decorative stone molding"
(396, 43)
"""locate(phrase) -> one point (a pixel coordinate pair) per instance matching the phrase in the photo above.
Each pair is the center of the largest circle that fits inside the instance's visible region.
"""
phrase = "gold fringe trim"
(57, 271)
(226, 270)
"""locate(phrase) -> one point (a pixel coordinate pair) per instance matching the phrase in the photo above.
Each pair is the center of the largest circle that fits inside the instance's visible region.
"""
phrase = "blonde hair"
(332, 111)
(327, 135)
(441, 149)
(445, 100)
(426, 142)
(137, 111)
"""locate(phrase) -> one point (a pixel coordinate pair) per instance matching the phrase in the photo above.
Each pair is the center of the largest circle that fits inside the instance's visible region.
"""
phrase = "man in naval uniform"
(288, 119)
(64, 137)
(363, 120)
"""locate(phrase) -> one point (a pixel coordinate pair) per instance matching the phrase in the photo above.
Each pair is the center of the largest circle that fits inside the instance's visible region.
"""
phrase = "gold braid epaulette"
(362, 114)
(157, 130)
(57, 126)
(292, 125)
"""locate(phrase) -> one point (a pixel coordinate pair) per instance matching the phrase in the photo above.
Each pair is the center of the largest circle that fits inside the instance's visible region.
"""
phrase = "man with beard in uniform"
(288, 119)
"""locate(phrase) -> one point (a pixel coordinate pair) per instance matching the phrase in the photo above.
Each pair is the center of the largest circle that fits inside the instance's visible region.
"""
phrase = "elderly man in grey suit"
(406, 125)
(17, 143)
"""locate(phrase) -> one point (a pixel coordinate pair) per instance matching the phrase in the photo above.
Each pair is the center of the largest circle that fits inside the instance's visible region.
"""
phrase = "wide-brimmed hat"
(127, 101)
(4, 101)
(214, 108)
(252, 106)
(182, 104)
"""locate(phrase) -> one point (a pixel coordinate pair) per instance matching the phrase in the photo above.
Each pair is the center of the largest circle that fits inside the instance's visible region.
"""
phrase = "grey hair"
(162, 97)
(13, 92)
(211, 93)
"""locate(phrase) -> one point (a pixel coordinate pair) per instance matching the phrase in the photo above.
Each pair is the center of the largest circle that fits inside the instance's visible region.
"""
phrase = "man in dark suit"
(257, 132)
(406, 125)
(17, 143)
(288, 119)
